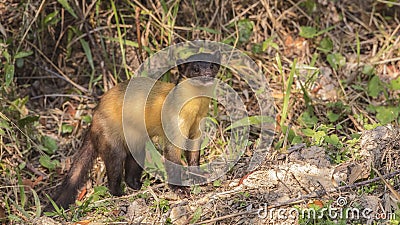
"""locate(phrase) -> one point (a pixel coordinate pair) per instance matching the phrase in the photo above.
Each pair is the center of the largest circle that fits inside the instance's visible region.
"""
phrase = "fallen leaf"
(83, 222)
(82, 194)
(3, 215)
(318, 203)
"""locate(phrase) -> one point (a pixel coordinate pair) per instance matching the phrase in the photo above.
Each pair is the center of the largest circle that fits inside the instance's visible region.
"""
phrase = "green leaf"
(67, 7)
(308, 119)
(23, 54)
(154, 160)
(58, 211)
(357, 87)
(196, 189)
(387, 115)
(333, 140)
(269, 43)
(308, 32)
(308, 132)
(19, 63)
(4, 124)
(333, 117)
(86, 119)
(245, 28)
(371, 126)
(297, 140)
(389, 4)
(51, 18)
(395, 84)
(196, 215)
(99, 191)
(288, 91)
(37, 203)
(7, 56)
(9, 74)
(67, 129)
(18, 105)
(88, 52)
(27, 120)
(310, 5)
(229, 40)
(319, 137)
(49, 144)
(375, 86)
(22, 193)
(164, 6)
(368, 70)
(256, 48)
(336, 60)
(46, 162)
(326, 45)
(22, 165)
(163, 204)
(217, 183)
(289, 132)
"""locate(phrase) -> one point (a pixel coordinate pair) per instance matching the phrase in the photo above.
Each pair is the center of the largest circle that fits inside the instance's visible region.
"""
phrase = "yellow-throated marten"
(105, 137)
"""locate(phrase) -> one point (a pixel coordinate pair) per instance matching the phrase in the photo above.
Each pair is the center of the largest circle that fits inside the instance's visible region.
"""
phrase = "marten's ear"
(181, 66)
(217, 57)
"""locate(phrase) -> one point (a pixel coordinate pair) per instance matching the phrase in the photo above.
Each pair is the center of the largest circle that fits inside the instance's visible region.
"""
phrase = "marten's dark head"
(203, 67)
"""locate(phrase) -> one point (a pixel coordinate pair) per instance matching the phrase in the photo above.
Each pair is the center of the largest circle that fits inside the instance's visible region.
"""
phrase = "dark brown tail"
(77, 175)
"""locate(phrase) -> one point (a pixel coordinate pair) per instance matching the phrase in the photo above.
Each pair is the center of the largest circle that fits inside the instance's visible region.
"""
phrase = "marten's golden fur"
(106, 139)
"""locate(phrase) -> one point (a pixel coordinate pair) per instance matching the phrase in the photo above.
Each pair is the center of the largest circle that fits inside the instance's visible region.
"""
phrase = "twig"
(64, 76)
(139, 36)
(30, 25)
(33, 169)
(236, 18)
(389, 2)
(391, 188)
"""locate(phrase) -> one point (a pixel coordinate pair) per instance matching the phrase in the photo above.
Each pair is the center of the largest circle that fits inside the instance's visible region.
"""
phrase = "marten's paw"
(134, 183)
(62, 201)
(116, 191)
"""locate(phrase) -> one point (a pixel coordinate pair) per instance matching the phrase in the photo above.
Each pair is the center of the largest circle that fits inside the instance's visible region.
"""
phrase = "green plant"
(162, 205)
(20, 200)
(244, 29)
(317, 214)
(196, 215)
(90, 204)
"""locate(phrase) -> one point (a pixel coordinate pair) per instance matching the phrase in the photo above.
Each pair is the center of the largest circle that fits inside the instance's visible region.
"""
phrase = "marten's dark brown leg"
(114, 161)
(133, 170)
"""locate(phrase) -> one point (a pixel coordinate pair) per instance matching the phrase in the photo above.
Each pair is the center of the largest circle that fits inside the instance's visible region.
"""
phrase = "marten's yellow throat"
(105, 137)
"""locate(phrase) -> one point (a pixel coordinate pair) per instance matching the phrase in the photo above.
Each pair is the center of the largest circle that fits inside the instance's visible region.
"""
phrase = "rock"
(137, 211)
(180, 215)
(44, 220)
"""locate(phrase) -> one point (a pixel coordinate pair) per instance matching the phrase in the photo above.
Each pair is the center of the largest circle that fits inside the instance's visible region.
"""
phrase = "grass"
(332, 67)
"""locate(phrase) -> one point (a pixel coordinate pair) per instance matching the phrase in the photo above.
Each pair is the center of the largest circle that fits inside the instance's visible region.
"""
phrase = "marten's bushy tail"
(77, 175)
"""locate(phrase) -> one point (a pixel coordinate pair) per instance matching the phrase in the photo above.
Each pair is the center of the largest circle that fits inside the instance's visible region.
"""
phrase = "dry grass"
(73, 58)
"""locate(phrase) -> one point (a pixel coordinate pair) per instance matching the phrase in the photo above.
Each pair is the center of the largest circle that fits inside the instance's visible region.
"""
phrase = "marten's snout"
(210, 70)
(208, 73)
